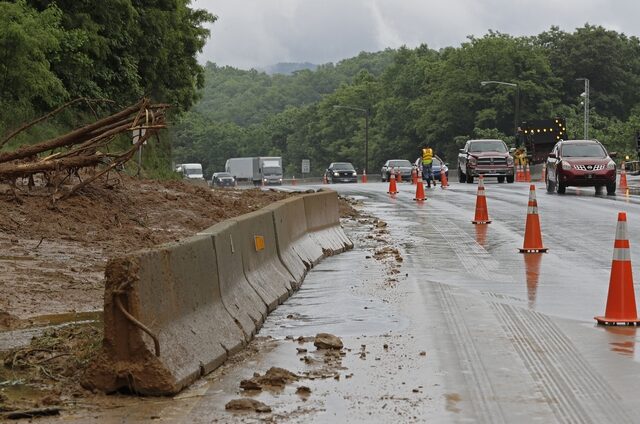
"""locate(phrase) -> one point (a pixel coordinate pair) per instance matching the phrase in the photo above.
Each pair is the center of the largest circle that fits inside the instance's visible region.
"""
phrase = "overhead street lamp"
(517, 102)
(586, 106)
(366, 132)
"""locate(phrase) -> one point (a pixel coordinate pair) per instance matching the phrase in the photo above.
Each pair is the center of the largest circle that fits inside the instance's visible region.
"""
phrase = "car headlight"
(354, 173)
(611, 165)
(510, 160)
(265, 180)
(566, 165)
(336, 174)
(472, 160)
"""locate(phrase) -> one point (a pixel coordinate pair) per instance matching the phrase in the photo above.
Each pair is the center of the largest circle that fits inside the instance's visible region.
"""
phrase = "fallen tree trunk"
(83, 148)
(70, 138)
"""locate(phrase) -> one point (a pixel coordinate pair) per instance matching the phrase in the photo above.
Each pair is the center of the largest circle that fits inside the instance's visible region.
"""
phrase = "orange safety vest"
(427, 156)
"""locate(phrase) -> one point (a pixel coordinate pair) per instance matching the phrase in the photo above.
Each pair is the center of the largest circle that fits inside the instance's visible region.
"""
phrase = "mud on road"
(52, 259)
(52, 264)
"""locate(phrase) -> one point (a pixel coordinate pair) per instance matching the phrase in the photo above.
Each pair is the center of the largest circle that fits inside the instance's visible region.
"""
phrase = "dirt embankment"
(52, 262)
(52, 259)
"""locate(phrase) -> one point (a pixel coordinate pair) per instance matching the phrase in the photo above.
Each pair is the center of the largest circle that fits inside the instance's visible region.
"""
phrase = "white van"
(191, 171)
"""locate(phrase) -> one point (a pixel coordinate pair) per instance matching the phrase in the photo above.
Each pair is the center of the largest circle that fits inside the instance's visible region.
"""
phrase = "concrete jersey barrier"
(241, 300)
(323, 221)
(297, 250)
(175, 312)
(174, 291)
(256, 238)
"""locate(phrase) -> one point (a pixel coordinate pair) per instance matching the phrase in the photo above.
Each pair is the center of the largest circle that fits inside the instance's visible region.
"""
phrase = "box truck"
(259, 170)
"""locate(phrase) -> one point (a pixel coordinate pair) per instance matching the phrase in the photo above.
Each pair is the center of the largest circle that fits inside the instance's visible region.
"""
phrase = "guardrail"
(176, 312)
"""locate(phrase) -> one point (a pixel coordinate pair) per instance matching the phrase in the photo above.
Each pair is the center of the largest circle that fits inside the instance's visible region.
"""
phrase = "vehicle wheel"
(550, 186)
(510, 179)
(461, 177)
(561, 188)
(469, 179)
(611, 188)
(500, 179)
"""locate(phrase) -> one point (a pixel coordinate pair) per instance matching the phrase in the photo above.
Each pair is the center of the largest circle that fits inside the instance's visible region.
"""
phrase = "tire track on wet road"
(574, 390)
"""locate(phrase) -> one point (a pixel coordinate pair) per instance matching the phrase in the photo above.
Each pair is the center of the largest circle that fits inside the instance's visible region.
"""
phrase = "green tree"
(28, 40)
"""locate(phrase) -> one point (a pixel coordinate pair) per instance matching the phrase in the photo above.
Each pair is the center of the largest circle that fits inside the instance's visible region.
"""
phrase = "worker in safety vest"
(520, 156)
(427, 165)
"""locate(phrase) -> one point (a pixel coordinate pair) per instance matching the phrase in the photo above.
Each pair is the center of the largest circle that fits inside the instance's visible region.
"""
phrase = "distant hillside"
(249, 97)
(288, 68)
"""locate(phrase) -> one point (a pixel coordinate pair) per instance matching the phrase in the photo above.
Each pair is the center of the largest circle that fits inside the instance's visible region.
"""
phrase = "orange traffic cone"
(444, 183)
(527, 173)
(482, 213)
(392, 184)
(414, 176)
(519, 174)
(325, 180)
(293, 182)
(364, 176)
(420, 189)
(399, 176)
(623, 179)
(532, 234)
(621, 300)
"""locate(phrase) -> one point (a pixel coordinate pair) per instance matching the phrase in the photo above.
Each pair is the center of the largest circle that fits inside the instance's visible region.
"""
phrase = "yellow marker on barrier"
(259, 242)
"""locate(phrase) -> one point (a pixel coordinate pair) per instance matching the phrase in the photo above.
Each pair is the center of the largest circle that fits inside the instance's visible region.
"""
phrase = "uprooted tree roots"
(64, 158)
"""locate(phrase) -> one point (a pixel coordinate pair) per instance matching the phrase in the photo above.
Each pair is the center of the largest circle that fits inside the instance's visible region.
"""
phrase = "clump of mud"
(246, 404)
(274, 378)
(327, 341)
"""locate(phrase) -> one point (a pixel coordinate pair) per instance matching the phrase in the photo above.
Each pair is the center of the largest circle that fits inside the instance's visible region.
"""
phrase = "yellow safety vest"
(427, 156)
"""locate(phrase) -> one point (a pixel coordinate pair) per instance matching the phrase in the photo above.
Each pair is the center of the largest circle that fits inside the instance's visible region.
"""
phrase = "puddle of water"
(71, 317)
(36, 326)
(16, 258)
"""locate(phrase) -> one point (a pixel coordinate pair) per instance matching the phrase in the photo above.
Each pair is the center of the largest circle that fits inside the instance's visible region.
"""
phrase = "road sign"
(306, 166)
(137, 133)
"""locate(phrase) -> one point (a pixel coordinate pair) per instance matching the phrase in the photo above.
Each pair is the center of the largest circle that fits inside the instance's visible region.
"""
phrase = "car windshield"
(223, 175)
(583, 150)
(343, 167)
(436, 161)
(488, 146)
(400, 163)
(192, 171)
(272, 170)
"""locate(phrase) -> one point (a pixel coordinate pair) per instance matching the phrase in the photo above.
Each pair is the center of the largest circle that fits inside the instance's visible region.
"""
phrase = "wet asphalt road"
(472, 331)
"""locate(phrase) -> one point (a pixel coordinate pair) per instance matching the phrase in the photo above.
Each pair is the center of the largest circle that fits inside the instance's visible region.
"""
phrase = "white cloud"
(256, 33)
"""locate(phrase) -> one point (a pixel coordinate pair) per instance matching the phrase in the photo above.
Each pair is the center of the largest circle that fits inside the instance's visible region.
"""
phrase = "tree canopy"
(416, 96)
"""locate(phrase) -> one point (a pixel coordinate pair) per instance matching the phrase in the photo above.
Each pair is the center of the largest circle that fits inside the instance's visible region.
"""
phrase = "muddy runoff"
(42, 372)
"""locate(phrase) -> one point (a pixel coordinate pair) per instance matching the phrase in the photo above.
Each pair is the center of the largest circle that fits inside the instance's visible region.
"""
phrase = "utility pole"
(586, 106)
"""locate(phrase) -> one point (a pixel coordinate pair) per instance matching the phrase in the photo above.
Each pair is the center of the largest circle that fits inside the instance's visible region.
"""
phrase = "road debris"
(327, 341)
(274, 377)
(246, 404)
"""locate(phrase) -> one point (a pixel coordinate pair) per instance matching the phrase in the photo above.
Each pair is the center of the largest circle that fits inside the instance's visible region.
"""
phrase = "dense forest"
(414, 97)
(54, 51)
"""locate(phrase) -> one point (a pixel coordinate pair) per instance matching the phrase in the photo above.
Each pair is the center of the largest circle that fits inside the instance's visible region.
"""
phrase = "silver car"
(400, 166)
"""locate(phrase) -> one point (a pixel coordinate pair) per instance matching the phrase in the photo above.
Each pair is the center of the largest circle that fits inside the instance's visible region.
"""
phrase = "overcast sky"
(258, 33)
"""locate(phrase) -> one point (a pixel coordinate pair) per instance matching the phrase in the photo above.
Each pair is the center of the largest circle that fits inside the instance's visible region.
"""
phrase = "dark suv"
(489, 158)
(341, 172)
(580, 163)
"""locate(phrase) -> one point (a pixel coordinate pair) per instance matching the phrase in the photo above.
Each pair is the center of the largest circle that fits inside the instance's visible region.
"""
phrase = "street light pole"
(366, 132)
(586, 106)
(517, 102)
